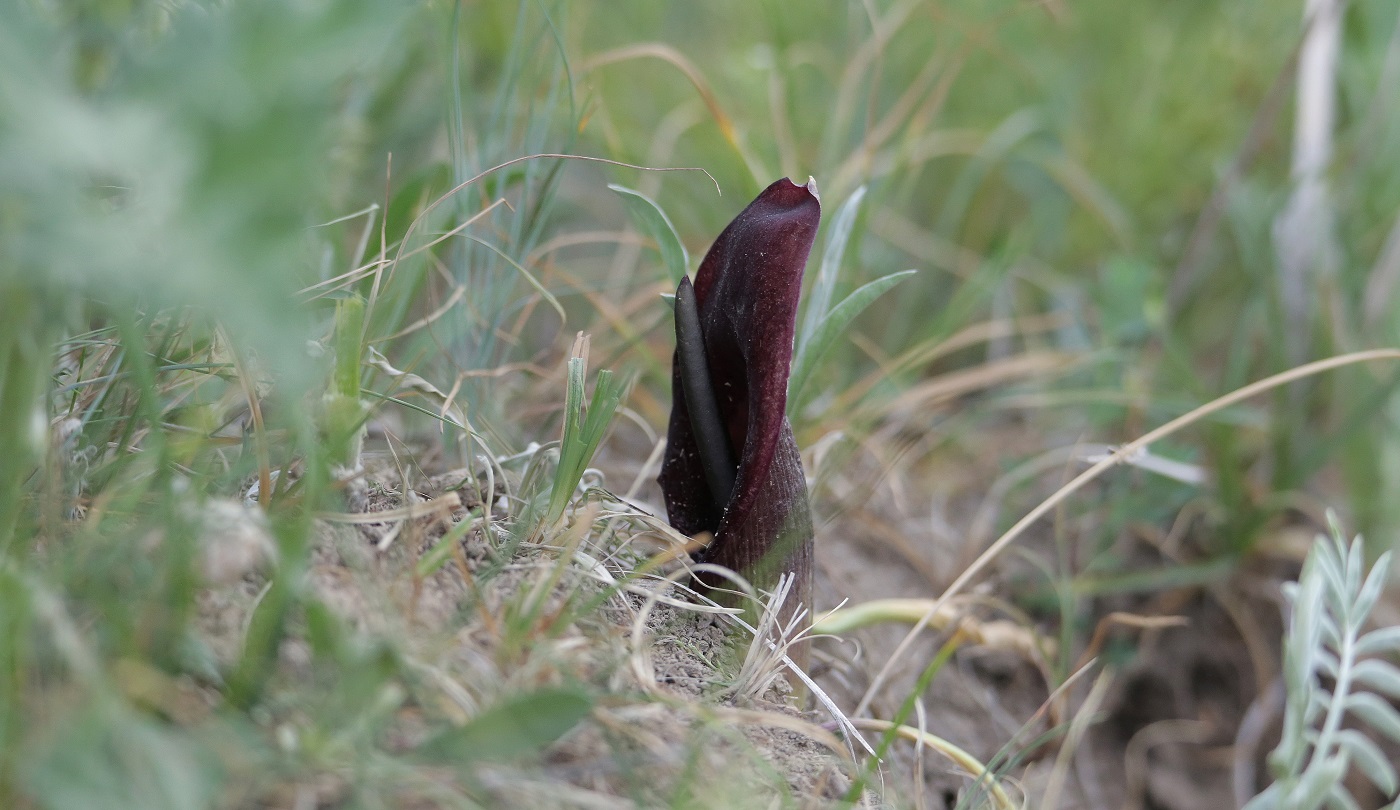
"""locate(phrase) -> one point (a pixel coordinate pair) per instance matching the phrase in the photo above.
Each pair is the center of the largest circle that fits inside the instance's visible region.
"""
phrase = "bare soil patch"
(669, 726)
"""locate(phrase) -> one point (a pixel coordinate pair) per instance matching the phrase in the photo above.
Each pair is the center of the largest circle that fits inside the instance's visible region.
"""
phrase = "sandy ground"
(1166, 717)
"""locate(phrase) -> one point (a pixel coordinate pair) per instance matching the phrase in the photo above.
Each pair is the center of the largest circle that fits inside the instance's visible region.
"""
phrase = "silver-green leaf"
(1376, 711)
(1383, 640)
(653, 222)
(1369, 758)
(1381, 676)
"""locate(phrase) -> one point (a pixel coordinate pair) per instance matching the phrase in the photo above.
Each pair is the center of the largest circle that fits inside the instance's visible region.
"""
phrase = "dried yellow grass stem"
(1112, 460)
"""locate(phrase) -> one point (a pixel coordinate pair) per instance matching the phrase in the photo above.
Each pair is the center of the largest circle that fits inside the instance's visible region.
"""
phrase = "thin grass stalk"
(1098, 469)
(944, 654)
(967, 762)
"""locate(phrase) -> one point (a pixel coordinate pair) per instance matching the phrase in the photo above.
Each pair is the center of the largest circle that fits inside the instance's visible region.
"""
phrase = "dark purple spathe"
(746, 292)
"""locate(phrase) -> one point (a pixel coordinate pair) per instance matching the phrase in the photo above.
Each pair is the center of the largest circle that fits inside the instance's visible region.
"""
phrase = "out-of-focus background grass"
(1091, 187)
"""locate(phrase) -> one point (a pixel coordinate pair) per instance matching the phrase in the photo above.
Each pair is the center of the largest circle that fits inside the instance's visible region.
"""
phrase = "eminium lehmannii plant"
(1335, 672)
(732, 467)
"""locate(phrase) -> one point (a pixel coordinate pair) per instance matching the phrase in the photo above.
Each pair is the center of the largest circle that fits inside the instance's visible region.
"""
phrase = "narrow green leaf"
(1304, 628)
(520, 268)
(1376, 711)
(1370, 590)
(607, 395)
(324, 631)
(653, 222)
(1330, 633)
(1385, 639)
(1352, 568)
(1369, 758)
(1268, 800)
(1339, 799)
(349, 345)
(1328, 567)
(442, 550)
(1380, 676)
(824, 287)
(511, 729)
(832, 326)
(573, 402)
(570, 444)
(1317, 781)
(1288, 757)
(1326, 663)
(1319, 701)
(582, 433)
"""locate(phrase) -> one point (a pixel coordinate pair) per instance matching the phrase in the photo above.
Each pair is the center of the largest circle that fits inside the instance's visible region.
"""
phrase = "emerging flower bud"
(732, 467)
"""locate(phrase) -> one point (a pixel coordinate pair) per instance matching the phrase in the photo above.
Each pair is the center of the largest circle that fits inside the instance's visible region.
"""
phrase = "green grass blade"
(832, 326)
(520, 268)
(569, 443)
(824, 287)
(582, 433)
(652, 221)
(349, 345)
(513, 728)
(441, 551)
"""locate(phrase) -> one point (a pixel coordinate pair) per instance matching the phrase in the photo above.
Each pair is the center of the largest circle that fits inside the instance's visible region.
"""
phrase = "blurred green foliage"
(172, 174)
(1083, 147)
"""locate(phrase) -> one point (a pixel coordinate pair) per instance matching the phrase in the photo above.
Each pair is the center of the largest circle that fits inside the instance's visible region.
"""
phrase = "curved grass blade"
(583, 429)
(832, 326)
(649, 217)
(824, 287)
(530, 277)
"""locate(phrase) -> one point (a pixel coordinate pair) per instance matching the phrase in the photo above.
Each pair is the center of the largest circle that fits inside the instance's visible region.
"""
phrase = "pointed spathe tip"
(812, 187)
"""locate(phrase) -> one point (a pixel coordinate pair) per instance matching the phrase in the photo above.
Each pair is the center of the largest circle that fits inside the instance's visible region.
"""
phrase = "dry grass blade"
(961, 758)
(794, 724)
(645, 674)
(1078, 727)
(428, 209)
(458, 293)
(1000, 634)
(350, 277)
(929, 351)
(1123, 619)
(596, 569)
(444, 505)
(408, 381)
(763, 662)
(656, 50)
(958, 383)
(1136, 753)
(641, 657)
(1100, 468)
